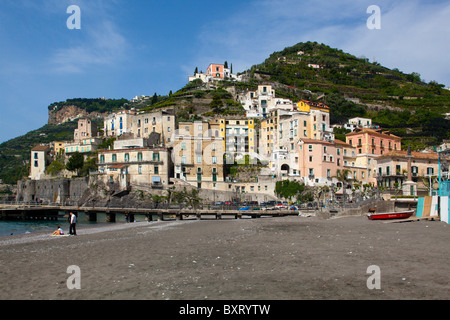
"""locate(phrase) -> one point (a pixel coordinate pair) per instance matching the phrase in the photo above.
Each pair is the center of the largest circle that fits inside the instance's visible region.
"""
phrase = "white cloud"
(99, 42)
(414, 35)
(104, 45)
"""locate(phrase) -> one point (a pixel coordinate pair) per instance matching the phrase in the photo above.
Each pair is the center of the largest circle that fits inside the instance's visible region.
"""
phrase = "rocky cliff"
(69, 113)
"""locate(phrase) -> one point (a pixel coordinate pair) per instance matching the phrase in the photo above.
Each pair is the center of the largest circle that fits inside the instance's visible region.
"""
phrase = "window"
(139, 169)
(183, 160)
(328, 173)
(214, 159)
(36, 155)
(102, 159)
(183, 146)
(156, 169)
(430, 170)
(139, 156)
(155, 156)
(127, 157)
(36, 164)
(310, 148)
(310, 158)
(114, 158)
(199, 159)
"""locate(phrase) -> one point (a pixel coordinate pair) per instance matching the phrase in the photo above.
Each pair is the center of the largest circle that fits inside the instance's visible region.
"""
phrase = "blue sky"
(128, 48)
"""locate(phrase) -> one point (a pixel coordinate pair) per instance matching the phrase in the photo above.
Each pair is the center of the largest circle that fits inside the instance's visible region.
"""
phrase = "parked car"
(220, 203)
(228, 203)
(244, 208)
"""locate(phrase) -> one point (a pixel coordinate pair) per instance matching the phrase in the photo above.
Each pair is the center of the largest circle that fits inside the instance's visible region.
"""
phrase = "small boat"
(390, 215)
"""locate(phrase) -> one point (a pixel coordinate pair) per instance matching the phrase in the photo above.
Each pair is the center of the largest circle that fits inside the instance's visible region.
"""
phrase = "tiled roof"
(40, 148)
(415, 155)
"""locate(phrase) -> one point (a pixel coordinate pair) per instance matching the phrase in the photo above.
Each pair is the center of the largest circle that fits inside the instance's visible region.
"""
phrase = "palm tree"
(344, 177)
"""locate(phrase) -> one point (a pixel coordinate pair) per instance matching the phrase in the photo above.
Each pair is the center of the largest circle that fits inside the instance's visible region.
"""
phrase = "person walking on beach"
(73, 222)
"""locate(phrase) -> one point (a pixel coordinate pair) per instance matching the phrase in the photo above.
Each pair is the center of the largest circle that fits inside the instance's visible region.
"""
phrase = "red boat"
(390, 215)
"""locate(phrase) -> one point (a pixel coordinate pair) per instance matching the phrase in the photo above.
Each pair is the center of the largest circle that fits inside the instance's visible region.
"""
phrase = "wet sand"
(288, 258)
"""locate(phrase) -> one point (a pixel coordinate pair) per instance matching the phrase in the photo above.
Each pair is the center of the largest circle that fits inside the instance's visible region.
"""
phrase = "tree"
(343, 177)
(155, 98)
(196, 71)
(289, 189)
(57, 165)
(75, 162)
(89, 165)
(225, 65)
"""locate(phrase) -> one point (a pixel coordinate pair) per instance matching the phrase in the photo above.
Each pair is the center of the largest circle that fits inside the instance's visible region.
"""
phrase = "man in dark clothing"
(73, 222)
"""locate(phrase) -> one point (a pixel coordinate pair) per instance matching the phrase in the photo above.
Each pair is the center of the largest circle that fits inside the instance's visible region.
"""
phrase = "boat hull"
(390, 215)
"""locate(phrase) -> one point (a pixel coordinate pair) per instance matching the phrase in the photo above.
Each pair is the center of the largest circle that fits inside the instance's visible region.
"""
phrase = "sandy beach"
(286, 258)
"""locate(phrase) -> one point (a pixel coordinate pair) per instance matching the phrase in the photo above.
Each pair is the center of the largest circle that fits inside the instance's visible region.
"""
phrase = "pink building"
(319, 161)
(215, 71)
(373, 141)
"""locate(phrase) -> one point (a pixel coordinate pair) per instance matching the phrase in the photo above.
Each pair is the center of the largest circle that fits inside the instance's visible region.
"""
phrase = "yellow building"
(198, 154)
(239, 136)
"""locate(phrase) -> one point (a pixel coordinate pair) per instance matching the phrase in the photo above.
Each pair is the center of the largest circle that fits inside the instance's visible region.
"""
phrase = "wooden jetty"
(47, 212)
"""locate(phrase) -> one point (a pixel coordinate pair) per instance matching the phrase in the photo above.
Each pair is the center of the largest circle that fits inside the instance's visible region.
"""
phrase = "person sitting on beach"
(58, 232)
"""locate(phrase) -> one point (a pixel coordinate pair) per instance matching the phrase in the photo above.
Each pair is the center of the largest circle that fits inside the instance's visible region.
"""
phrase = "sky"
(125, 48)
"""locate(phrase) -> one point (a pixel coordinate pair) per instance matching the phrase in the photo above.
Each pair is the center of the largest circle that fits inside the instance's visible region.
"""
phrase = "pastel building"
(40, 159)
(147, 166)
(161, 121)
(259, 102)
(83, 146)
(361, 122)
(392, 168)
(86, 129)
(373, 141)
(318, 161)
(215, 72)
(198, 154)
(117, 124)
(239, 137)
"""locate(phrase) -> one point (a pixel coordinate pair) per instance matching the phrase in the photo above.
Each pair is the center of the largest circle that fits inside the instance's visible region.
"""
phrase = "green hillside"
(397, 101)
(15, 152)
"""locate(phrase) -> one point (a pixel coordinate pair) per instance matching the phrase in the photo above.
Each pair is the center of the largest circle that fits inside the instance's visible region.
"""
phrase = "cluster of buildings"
(277, 139)
(215, 72)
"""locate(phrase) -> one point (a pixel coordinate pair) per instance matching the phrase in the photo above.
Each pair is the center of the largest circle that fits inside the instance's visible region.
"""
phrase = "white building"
(40, 159)
(118, 123)
(258, 103)
(361, 122)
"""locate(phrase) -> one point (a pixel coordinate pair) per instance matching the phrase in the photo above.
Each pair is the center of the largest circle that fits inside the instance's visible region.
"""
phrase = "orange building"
(373, 141)
(215, 71)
